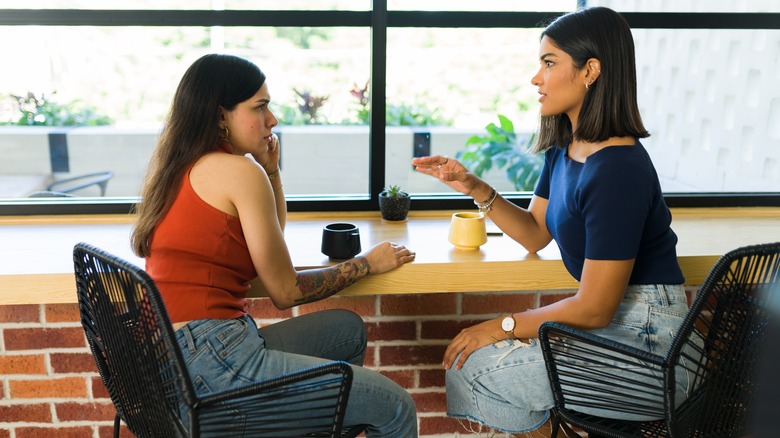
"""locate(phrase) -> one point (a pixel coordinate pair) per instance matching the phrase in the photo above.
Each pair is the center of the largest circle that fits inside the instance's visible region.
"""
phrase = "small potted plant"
(394, 203)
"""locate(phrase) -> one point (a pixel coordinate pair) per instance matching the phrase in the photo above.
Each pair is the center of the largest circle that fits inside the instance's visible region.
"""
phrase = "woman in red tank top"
(212, 219)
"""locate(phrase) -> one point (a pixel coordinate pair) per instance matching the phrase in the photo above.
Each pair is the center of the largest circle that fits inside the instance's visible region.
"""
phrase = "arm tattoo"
(316, 284)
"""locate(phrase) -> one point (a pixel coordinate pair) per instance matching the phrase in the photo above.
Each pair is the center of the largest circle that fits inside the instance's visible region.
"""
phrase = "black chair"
(132, 341)
(63, 188)
(719, 344)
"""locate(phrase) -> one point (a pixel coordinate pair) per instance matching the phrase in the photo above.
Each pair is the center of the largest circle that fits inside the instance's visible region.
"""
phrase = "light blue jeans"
(505, 386)
(223, 354)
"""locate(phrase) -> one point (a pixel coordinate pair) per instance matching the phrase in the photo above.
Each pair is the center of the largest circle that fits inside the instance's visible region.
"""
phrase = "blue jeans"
(505, 385)
(224, 354)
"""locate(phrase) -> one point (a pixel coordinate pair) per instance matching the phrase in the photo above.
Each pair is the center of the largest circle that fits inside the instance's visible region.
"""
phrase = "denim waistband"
(664, 295)
(187, 334)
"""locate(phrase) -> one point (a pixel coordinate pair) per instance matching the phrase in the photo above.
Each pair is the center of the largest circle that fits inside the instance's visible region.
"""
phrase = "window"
(433, 81)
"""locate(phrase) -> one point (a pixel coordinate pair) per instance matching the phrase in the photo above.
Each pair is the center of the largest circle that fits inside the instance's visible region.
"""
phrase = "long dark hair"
(610, 106)
(191, 130)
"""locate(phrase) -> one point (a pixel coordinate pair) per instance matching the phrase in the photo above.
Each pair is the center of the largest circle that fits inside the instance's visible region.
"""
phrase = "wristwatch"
(508, 324)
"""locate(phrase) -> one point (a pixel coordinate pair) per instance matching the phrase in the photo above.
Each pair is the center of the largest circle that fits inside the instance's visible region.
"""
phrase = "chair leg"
(555, 423)
(559, 425)
(116, 425)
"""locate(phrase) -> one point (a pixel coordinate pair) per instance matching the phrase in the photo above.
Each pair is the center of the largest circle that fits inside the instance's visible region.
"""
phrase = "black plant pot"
(394, 209)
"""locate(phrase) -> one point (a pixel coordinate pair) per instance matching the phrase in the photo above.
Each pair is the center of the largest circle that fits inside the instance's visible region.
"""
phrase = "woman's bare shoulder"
(227, 167)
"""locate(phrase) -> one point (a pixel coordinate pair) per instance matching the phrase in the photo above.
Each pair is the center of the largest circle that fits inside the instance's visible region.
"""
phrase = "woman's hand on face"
(270, 159)
(447, 170)
(387, 256)
(471, 339)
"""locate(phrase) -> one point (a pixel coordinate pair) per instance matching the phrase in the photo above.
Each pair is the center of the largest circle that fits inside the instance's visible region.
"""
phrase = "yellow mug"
(467, 230)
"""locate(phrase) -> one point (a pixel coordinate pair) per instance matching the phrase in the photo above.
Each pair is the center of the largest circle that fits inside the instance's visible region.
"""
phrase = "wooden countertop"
(36, 265)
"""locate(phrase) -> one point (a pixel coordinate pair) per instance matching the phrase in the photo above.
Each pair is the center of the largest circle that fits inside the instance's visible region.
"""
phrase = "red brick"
(108, 432)
(442, 425)
(431, 378)
(364, 306)
(430, 401)
(404, 378)
(85, 411)
(33, 413)
(73, 363)
(99, 389)
(391, 331)
(411, 355)
(444, 329)
(41, 338)
(368, 360)
(62, 313)
(263, 308)
(23, 364)
(4, 433)
(2, 390)
(547, 299)
(425, 304)
(20, 313)
(67, 387)
(478, 304)
(59, 432)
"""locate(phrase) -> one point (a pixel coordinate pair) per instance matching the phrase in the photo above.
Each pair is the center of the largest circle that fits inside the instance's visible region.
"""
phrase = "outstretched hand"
(449, 171)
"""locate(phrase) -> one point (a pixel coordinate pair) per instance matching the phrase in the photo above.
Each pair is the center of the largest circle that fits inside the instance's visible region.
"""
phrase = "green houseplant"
(501, 147)
(394, 203)
(41, 110)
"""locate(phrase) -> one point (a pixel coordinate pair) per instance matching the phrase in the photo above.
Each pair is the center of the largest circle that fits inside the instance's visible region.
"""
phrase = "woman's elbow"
(594, 320)
(534, 246)
(283, 301)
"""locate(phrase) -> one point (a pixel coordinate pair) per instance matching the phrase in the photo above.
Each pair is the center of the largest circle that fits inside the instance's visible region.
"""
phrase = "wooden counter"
(36, 265)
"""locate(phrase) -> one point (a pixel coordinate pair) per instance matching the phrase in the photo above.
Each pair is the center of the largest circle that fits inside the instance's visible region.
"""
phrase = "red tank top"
(199, 260)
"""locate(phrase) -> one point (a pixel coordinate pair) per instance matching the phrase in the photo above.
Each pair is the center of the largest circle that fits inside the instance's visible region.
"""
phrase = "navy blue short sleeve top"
(610, 208)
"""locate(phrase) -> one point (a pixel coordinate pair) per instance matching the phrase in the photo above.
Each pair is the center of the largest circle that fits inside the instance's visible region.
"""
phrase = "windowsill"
(36, 266)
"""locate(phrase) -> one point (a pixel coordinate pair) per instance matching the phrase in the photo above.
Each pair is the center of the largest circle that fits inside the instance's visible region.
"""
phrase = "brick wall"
(49, 385)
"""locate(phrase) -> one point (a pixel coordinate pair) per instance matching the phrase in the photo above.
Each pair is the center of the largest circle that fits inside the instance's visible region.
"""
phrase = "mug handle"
(355, 243)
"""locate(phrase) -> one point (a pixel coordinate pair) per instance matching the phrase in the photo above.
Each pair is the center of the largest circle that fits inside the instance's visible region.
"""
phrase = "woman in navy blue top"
(599, 198)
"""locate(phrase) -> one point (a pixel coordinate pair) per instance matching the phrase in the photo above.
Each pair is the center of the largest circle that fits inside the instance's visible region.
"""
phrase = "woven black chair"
(719, 344)
(132, 341)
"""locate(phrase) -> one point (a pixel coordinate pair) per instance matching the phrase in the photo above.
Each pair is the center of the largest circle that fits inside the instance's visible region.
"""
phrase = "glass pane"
(483, 5)
(711, 103)
(456, 82)
(708, 97)
(688, 6)
(122, 79)
(291, 5)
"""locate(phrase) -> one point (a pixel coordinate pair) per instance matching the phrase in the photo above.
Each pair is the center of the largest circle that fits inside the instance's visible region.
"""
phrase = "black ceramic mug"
(340, 241)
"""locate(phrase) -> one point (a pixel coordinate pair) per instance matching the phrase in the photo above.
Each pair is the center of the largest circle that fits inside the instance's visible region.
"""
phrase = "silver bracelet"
(485, 207)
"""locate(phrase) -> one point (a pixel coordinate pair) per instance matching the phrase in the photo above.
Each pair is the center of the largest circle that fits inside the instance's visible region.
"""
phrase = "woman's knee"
(350, 322)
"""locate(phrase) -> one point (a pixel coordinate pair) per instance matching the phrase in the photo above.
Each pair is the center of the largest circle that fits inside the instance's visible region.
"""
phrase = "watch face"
(508, 324)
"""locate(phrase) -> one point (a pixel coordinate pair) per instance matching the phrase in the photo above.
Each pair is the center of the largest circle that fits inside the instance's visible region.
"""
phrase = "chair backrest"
(79, 182)
(132, 341)
(721, 340)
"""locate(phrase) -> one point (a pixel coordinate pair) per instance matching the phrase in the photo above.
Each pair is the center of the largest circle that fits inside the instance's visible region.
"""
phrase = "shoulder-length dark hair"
(610, 106)
(191, 130)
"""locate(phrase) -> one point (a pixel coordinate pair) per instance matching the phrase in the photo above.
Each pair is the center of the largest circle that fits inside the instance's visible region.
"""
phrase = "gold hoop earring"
(227, 134)
(587, 84)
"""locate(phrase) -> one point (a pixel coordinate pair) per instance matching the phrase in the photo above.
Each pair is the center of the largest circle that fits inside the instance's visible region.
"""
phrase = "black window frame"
(379, 19)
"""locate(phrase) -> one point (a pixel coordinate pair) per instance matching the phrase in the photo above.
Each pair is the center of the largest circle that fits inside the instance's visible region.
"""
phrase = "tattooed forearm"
(316, 284)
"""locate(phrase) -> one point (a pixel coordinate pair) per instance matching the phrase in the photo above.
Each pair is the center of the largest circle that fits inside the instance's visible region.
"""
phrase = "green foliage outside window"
(40, 110)
(396, 114)
(501, 147)
(306, 111)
